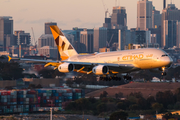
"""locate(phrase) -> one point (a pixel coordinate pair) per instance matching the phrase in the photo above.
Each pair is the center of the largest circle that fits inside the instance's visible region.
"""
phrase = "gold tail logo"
(65, 49)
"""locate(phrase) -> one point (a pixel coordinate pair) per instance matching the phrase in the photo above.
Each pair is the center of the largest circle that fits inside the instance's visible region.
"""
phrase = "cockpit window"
(164, 55)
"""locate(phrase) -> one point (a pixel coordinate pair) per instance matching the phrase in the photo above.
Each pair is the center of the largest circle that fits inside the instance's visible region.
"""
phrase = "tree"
(10, 71)
(150, 100)
(82, 104)
(119, 95)
(101, 107)
(142, 103)
(134, 107)
(159, 97)
(121, 105)
(111, 106)
(177, 106)
(104, 94)
(120, 115)
(177, 95)
(156, 106)
(167, 116)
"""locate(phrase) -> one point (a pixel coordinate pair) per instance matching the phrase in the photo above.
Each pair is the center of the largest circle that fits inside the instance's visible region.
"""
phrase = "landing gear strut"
(127, 77)
(163, 69)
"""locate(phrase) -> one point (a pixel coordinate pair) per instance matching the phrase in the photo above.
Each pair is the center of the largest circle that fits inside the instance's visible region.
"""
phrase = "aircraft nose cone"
(171, 60)
(168, 61)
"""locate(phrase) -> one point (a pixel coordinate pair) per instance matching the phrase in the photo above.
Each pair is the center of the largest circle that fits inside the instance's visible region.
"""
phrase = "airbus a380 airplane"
(108, 63)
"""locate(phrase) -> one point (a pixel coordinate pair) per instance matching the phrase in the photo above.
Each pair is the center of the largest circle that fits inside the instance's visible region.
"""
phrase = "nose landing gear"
(163, 69)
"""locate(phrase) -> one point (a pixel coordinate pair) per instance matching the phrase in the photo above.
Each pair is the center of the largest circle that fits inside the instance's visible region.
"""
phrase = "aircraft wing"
(114, 68)
(87, 66)
(46, 62)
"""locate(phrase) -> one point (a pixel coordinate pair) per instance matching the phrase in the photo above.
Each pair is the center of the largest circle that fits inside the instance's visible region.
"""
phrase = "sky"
(29, 14)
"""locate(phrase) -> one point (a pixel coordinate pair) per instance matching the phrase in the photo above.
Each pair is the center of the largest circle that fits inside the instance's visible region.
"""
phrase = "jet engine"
(100, 70)
(66, 67)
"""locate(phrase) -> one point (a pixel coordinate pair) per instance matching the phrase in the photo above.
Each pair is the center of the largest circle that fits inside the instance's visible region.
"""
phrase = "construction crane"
(108, 43)
(35, 42)
(105, 9)
(33, 36)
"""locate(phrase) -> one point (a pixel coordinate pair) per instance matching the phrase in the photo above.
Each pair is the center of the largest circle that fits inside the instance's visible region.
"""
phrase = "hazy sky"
(67, 13)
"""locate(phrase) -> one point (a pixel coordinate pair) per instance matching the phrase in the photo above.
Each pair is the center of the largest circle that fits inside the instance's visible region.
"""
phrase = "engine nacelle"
(66, 67)
(100, 70)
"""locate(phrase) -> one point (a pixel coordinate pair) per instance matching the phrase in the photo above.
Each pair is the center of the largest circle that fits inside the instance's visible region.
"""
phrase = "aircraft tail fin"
(65, 48)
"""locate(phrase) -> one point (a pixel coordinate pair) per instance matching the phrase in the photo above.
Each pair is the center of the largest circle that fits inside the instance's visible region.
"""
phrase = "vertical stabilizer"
(65, 48)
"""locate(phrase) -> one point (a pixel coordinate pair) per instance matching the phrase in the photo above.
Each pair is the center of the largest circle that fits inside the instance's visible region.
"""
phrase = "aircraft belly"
(145, 64)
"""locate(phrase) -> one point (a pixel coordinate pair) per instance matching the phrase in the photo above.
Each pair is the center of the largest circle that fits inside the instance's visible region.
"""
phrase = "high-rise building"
(6, 27)
(100, 38)
(47, 28)
(170, 33)
(170, 16)
(87, 39)
(178, 35)
(118, 18)
(22, 38)
(144, 14)
(71, 35)
(46, 40)
(156, 18)
(48, 51)
(107, 23)
(142, 37)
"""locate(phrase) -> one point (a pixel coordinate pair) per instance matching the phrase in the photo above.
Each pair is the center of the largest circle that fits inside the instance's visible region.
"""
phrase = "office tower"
(46, 40)
(100, 38)
(170, 33)
(77, 43)
(48, 51)
(170, 16)
(71, 35)
(118, 18)
(142, 37)
(156, 18)
(156, 33)
(164, 5)
(107, 23)
(47, 28)
(87, 39)
(6, 27)
(144, 14)
(22, 38)
(178, 35)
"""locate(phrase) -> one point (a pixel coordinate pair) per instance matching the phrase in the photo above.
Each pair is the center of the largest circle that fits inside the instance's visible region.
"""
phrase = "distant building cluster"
(154, 29)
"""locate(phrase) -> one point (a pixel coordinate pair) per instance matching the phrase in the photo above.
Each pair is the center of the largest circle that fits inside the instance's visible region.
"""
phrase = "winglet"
(9, 58)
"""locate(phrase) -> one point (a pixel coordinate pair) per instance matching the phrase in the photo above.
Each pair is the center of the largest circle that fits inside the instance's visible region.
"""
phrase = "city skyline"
(68, 14)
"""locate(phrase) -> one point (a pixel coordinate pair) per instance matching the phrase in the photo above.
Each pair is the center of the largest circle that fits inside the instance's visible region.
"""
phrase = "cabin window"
(164, 55)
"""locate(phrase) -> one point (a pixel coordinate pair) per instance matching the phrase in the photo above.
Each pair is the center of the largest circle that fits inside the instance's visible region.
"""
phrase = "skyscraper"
(87, 39)
(119, 17)
(144, 14)
(170, 33)
(21, 37)
(170, 17)
(6, 28)
(100, 38)
(156, 18)
(47, 28)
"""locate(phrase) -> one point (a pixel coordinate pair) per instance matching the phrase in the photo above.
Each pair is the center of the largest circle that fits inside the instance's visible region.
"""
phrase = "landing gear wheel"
(163, 73)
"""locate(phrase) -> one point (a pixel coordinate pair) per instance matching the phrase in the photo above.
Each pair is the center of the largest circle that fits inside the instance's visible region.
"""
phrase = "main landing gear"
(109, 78)
(127, 77)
